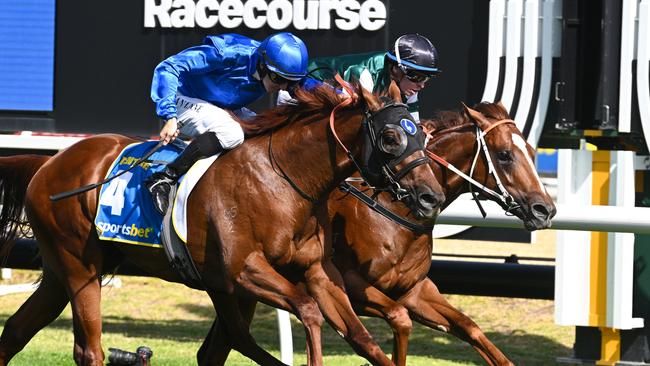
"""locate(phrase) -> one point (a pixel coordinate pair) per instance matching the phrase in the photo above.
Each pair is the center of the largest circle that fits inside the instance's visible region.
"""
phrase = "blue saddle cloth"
(125, 212)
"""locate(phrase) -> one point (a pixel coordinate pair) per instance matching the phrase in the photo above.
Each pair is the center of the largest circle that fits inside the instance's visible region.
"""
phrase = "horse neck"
(458, 147)
(318, 162)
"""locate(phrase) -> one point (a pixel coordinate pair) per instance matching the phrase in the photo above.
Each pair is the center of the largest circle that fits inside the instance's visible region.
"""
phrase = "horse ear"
(394, 93)
(503, 108)
(476, 116)
(371, 100)
(428, 125)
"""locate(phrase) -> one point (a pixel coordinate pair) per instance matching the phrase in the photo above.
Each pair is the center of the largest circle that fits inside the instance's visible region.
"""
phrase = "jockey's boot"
(160, 183)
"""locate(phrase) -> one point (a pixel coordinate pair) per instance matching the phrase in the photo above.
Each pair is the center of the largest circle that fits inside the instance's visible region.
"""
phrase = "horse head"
(511, 158)
(393, 156)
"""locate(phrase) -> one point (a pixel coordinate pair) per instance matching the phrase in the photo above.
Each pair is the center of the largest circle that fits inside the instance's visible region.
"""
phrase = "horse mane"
(442, 120)
(319, 100)
(492, 110)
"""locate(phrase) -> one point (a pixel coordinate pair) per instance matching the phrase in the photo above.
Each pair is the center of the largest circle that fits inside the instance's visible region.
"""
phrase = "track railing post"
(286, 341)
(595, 270)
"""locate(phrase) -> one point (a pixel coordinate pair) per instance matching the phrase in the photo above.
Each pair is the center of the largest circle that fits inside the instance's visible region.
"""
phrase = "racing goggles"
(278, 79)
(417, 77)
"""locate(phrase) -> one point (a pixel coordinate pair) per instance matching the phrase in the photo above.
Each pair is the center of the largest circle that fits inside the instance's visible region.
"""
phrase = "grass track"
(172, 320)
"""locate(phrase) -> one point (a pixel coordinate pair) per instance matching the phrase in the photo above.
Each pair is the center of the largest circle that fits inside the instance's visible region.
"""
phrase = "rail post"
(595, 270)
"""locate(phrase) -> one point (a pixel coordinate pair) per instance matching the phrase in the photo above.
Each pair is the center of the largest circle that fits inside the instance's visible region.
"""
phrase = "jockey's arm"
(195, 60)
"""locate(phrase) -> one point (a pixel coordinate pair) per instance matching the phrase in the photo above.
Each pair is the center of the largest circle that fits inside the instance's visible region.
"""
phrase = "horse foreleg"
(39, 310)
(427, 306)
(325, 284)
(235, 328)
(216, 346)
(260, 279)
(368, 300)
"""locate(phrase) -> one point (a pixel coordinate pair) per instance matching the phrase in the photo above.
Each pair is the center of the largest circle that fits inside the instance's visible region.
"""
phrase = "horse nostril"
(428, 200)
(540, 210)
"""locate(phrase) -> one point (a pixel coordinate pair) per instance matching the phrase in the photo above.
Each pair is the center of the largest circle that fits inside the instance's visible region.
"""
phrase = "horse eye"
(391, 142)
(389, 139)
(504, 156)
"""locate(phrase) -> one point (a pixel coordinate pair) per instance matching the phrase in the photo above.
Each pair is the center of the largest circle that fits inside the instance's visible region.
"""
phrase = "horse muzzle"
(537, 216)
(426, 203)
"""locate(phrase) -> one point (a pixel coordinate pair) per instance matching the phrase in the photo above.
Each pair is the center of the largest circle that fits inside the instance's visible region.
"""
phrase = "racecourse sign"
(345, 15)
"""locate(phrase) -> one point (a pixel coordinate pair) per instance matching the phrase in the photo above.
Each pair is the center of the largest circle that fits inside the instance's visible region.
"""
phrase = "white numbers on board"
(113, 196)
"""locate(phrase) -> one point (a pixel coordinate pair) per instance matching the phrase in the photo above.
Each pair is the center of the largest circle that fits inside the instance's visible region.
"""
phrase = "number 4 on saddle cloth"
(126, 212)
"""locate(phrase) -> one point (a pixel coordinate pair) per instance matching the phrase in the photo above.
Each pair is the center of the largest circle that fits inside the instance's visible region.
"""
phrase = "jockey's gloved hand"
(170, 130)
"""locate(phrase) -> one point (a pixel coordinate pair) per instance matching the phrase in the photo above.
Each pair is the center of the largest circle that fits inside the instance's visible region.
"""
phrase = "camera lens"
(118, 357)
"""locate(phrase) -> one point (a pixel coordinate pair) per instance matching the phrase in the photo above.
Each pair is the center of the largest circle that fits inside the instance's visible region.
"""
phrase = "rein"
(353, 98)
(346, 187)
(393, 177)
(504, 198)
(284, 175)
(343, 104)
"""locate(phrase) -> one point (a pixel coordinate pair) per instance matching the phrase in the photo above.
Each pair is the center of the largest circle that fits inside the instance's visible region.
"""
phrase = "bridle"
(501, 195)
(388, 168)
(388, 171)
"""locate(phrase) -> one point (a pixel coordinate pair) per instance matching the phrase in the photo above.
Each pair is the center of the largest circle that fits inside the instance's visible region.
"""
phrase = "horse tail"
(15, 174)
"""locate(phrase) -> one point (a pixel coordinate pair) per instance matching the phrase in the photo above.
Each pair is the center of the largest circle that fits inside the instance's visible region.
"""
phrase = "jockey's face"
(409, 84)
(409, 87)
(274, 82)
(272, 87)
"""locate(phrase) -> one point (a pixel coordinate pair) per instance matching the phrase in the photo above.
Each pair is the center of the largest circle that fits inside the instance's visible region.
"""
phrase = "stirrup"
(164, 179)
(160, 190)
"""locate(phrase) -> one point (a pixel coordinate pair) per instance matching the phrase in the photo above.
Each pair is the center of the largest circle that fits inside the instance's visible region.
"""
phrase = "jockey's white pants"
(198, 116)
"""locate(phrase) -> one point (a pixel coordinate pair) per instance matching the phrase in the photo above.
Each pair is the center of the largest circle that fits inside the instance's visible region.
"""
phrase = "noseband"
(373, 123)
(373, 132)
(389, 169)
(371, 128)
(502, 196)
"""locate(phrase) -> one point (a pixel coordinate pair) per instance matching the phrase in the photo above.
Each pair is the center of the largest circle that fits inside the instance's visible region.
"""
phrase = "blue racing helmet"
(286, 55)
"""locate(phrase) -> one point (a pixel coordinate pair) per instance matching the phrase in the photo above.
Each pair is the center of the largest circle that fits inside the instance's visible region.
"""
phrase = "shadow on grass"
(199, 310)
(522, 348)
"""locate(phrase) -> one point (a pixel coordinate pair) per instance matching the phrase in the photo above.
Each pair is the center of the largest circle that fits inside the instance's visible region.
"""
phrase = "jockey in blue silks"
(195, 89)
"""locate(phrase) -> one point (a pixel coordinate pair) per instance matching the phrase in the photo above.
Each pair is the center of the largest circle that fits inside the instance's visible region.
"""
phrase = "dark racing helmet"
(415, 53)
(285, 55)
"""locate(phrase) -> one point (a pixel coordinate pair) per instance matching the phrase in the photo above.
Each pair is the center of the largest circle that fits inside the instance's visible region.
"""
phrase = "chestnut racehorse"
(385, 265)
(256, 218)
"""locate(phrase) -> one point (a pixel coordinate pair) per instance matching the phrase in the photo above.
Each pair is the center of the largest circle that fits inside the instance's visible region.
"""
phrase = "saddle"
(126, 212)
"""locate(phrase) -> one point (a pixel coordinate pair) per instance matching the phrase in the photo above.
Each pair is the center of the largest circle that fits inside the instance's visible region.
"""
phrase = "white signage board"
(346, 15)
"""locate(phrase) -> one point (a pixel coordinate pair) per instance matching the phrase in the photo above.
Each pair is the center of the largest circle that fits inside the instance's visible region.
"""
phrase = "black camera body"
(141, 357)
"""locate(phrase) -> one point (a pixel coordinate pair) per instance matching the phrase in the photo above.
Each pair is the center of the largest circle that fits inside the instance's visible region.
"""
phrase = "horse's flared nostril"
(428, 200)
(540, 211)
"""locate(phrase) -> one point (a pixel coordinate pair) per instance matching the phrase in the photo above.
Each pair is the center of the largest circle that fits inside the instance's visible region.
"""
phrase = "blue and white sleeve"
(166, 76)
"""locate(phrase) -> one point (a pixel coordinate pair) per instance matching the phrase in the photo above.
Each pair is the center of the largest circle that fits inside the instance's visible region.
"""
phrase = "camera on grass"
(141, 357)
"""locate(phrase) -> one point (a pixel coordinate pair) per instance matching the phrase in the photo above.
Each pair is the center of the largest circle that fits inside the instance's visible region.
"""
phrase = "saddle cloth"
(125, 211)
